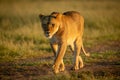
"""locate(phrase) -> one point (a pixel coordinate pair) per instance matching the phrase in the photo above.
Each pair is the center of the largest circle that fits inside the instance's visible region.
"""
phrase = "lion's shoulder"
(74, 15)
(71, 13)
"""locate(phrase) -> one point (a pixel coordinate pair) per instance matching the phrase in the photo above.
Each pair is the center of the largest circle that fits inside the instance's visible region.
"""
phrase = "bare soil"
(18, 71)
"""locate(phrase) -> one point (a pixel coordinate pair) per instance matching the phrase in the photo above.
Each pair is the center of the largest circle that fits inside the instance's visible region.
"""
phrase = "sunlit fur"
(64, 30)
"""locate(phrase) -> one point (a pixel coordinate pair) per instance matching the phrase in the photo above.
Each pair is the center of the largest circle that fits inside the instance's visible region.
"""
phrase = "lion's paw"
(75, 68)
(62, 69)
(55, 69)
(81, 66)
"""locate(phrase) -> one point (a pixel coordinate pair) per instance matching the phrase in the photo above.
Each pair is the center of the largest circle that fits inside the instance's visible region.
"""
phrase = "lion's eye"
(53, 25)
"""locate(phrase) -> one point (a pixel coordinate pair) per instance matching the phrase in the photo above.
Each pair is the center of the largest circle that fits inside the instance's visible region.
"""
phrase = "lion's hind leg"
(78, 62)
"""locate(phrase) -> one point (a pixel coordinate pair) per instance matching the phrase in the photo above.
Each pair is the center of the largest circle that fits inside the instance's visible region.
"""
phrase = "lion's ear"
(54, 13)
(59, 16)
(41, 16)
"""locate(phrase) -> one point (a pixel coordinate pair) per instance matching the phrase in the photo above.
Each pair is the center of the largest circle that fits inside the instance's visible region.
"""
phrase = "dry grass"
(21, 36)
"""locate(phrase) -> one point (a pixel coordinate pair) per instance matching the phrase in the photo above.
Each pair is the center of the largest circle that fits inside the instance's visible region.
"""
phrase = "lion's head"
(50, 23)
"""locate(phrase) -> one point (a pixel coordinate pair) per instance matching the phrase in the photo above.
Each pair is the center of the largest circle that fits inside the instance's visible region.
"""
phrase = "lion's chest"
(54, 40)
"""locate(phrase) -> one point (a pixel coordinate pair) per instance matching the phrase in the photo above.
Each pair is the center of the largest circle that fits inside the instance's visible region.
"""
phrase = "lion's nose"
(47, 35)
(47, 32)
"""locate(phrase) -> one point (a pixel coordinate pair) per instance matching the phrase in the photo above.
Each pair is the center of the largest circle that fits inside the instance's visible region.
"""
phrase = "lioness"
(64, 30)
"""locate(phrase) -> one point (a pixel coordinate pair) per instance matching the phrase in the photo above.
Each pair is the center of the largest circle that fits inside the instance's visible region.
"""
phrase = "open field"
(25, 53)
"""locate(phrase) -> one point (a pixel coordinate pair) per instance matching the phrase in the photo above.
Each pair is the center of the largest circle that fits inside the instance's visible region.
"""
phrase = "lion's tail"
(86, 54)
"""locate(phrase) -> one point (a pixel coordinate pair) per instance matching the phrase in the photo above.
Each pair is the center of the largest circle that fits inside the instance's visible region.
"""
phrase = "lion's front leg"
(59, 67)
(58, 64)
(54, 49)
(62, 66)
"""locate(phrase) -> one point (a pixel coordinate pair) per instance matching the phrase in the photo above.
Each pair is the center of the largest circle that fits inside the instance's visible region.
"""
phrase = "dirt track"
(17, 70)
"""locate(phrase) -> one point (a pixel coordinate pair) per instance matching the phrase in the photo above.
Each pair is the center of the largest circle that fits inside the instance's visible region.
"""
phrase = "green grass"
(22, 38)
(20, 28)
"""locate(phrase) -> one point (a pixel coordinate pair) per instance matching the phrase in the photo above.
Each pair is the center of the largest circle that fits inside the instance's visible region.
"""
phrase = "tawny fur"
(64, 30)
